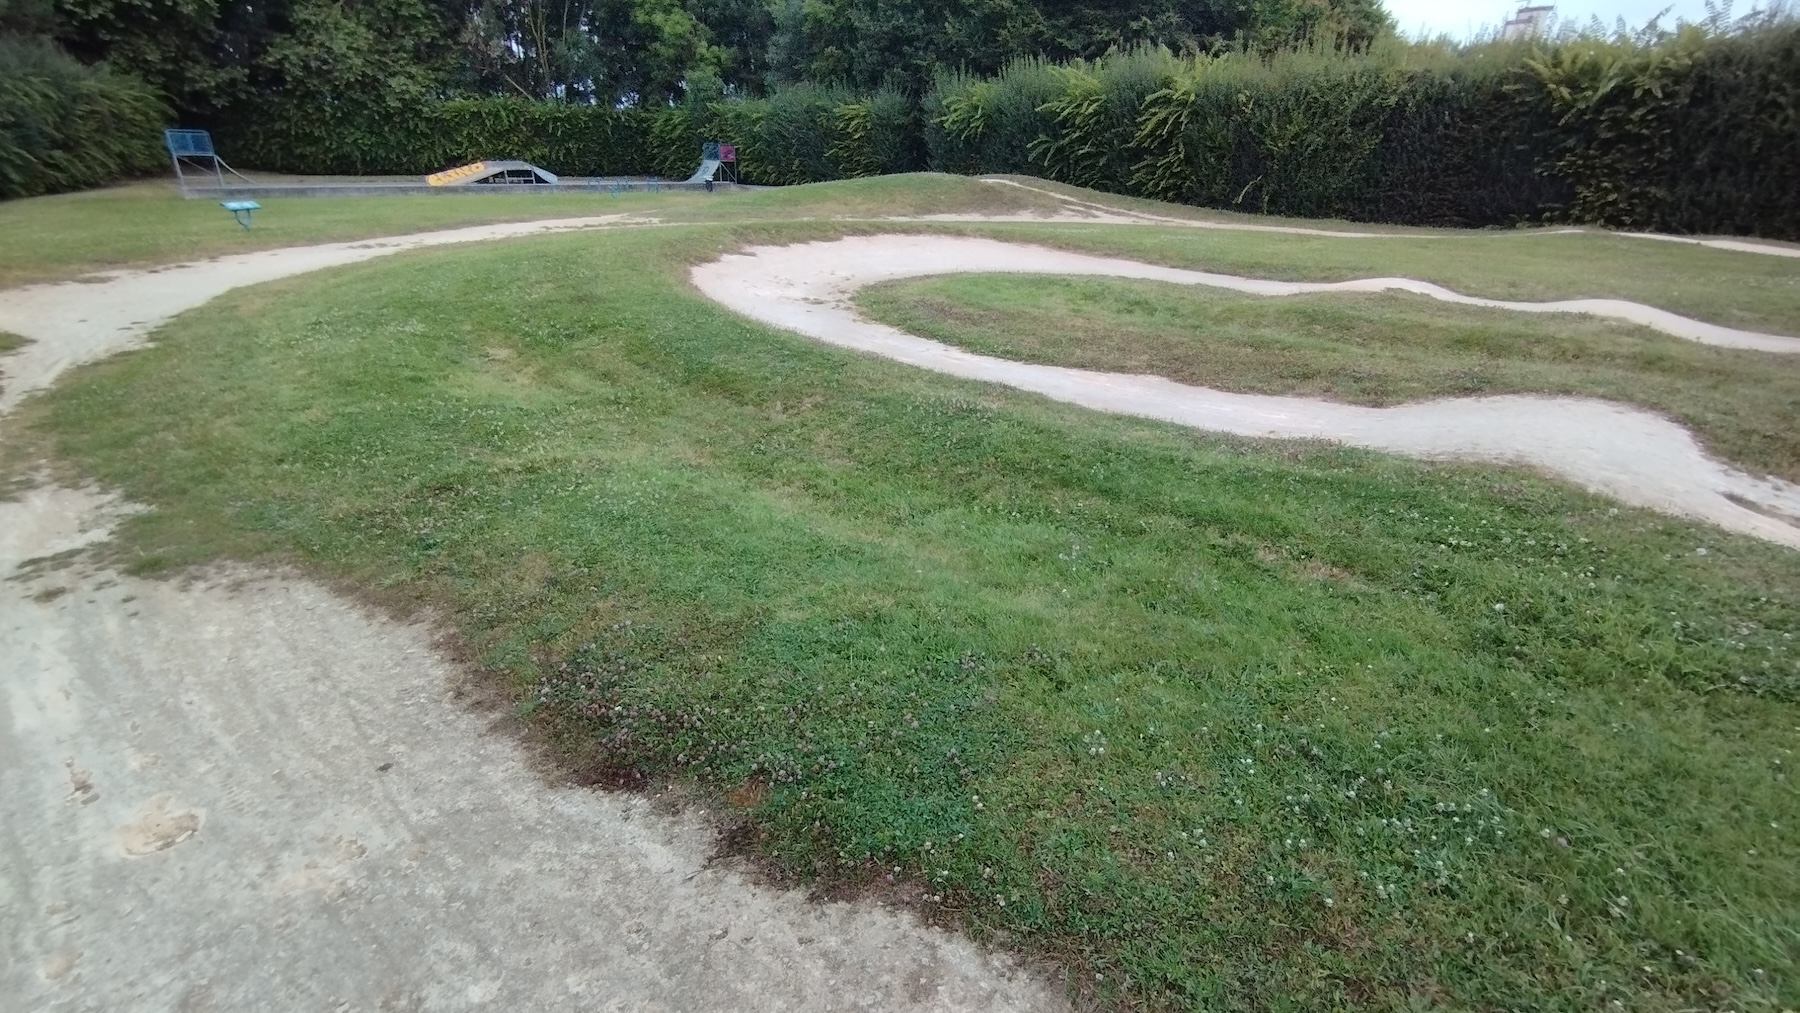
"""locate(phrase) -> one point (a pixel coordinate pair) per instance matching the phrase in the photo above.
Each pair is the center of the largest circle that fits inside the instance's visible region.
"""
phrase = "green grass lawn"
(65, 236)
(1215, 723)
(54, 238)
(72, 234)
(1382, 349)
(1742, 290)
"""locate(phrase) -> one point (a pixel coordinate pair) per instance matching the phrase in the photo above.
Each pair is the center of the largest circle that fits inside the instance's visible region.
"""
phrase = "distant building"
(1529, 23)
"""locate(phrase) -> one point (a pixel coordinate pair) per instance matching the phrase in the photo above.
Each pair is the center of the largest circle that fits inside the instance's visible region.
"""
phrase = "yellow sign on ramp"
(461, 172)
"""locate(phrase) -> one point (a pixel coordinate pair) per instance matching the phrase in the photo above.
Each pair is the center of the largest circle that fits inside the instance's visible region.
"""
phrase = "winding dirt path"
(1627, 453)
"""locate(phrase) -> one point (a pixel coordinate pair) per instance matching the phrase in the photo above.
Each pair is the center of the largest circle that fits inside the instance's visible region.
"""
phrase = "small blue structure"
(193, 149)
(241, 210)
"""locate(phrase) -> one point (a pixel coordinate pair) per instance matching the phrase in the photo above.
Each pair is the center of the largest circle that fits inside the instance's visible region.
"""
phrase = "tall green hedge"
(1700, 134)
(802, 134)
(64, 126)
(422, 137)
(1408, 136)
(1694, 132)
(1463, 145)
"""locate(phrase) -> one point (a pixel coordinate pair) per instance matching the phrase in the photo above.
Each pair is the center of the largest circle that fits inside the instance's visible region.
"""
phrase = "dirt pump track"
(246, 792)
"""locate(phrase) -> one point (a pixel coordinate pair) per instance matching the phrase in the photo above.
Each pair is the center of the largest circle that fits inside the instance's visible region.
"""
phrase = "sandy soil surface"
(245, 793)
(1633, 455)
(249, 794)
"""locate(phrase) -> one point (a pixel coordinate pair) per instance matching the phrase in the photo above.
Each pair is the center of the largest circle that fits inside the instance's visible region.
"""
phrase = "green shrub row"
(803, 134)
(1700, 134)
(809, 133)
(1695, 133)
(64, 126)
(1375, 137)
(422, 137)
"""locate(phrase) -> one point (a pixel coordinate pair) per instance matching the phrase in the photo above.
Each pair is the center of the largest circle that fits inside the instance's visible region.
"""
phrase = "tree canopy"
(213, 56)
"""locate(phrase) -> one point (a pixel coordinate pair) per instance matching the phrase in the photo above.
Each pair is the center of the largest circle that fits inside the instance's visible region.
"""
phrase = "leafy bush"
(1098, 107)
(791, 136)
(66, 127)
(1696, 130)
(797, 135)
(581, 140)
(1295, 135)
(876, 136)
(1700, 133)
(992, 124)
(1462, 146)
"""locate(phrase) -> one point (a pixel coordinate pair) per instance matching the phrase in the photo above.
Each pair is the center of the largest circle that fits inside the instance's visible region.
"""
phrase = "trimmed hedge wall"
(420, 138)
(1701, 134)
(1698, 133)
(800, 135)
(64, 126)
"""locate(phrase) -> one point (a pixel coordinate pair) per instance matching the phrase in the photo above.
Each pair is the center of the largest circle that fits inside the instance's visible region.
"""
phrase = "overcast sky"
(1461, 18)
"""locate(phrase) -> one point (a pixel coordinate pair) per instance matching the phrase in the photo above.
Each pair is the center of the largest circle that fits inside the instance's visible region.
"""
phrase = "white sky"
(1461, 18)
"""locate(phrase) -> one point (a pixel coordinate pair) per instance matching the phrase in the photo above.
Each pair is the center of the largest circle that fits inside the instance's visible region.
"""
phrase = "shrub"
(1700, 133)
(792, 135)
(991, 125)
(1696, 130)
(579, 140)
(876, 136)
(1093, 121)
(1463, 145)
(66, 127)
